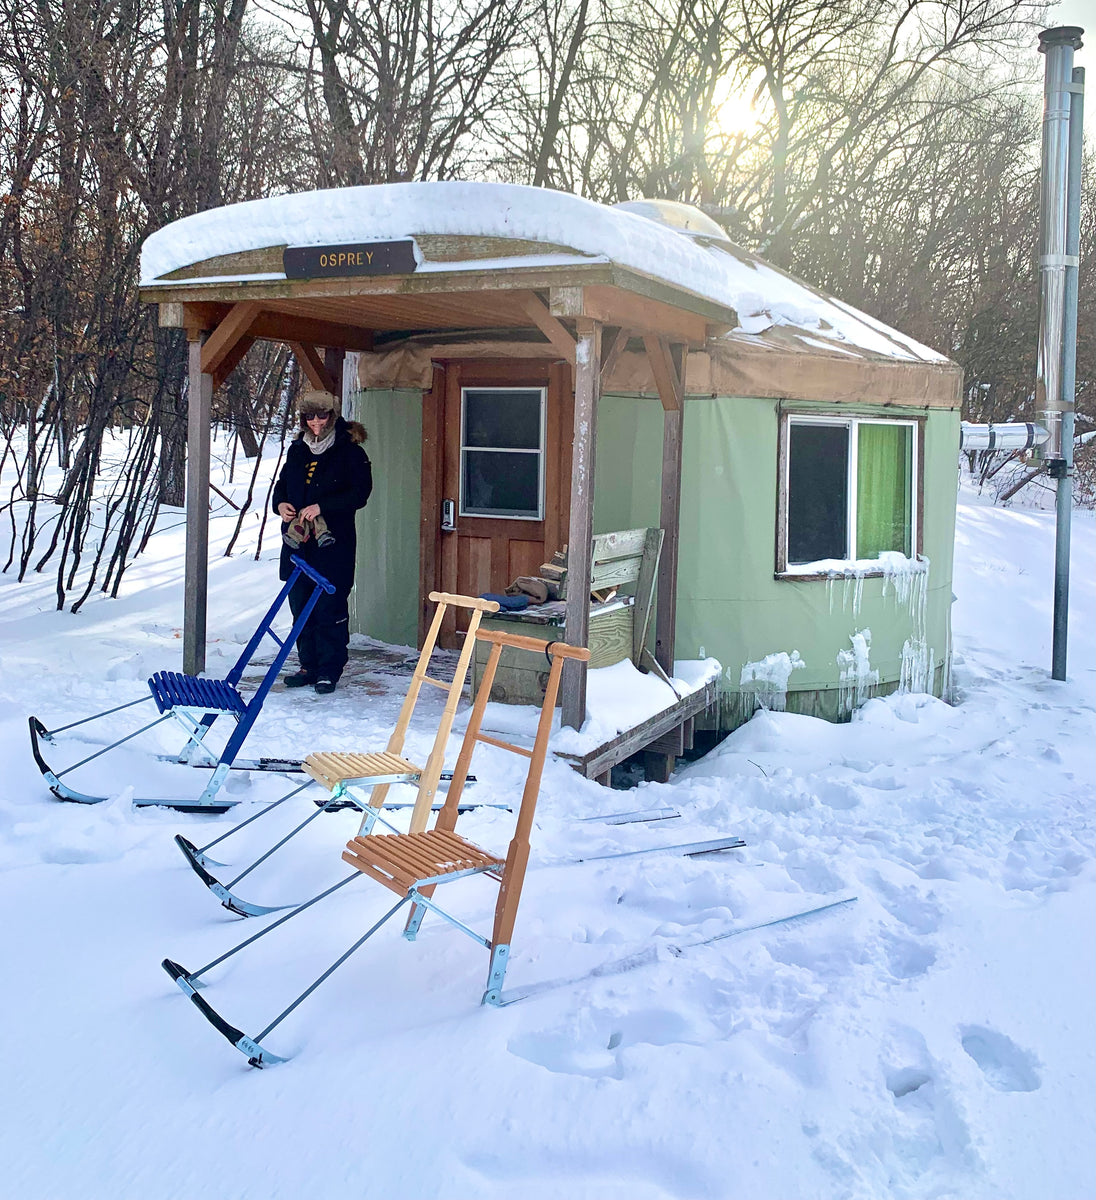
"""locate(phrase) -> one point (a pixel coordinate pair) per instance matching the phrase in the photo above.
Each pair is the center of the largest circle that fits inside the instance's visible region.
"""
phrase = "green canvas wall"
(729, 605)
(384, 603)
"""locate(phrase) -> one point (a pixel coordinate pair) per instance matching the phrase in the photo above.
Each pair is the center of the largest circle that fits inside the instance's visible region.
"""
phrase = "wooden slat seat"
(400, 860)
(331, 768)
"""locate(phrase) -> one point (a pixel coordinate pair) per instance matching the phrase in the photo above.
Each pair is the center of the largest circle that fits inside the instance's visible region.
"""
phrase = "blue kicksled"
(196, 703)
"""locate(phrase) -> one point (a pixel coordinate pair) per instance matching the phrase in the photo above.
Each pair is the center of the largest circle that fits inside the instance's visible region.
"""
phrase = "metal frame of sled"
(347, 777)
(196, 703)
(413, 865)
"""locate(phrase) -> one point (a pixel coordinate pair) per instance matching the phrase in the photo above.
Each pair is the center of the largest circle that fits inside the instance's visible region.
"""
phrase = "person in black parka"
(326, 474)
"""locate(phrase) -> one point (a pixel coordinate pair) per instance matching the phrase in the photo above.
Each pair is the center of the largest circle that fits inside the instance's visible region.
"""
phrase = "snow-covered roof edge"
(761, 294)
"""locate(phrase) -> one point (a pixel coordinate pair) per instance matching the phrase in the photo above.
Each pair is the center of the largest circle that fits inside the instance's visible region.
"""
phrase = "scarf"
(319, 445)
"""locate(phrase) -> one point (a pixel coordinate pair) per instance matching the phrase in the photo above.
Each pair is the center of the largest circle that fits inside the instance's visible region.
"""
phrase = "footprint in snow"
(919, 913)
(907, 958)
(906, 1081)
(1005, 1066)
(595, 1051)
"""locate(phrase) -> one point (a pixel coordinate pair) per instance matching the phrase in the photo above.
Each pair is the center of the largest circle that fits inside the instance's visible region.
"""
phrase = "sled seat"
(330, 768)
(173, 690)
(402, 861)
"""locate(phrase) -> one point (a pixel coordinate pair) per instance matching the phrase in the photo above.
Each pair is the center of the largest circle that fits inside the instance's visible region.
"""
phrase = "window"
(848, 490)
(502, 453)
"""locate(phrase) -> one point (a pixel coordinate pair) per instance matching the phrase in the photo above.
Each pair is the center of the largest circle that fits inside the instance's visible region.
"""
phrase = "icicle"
(768, 679)
(916, 666)
(858, 680)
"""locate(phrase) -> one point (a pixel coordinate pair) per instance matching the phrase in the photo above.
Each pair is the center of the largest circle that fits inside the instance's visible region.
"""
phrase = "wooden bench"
(624, 563)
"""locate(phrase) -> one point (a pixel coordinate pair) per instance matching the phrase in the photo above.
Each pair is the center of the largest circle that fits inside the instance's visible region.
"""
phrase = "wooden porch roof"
(356, 312)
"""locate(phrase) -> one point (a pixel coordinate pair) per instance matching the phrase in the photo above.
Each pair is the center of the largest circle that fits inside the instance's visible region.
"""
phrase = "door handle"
(448, 516)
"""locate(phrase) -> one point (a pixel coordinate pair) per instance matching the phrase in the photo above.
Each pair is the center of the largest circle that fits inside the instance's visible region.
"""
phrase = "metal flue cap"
(1060, 35)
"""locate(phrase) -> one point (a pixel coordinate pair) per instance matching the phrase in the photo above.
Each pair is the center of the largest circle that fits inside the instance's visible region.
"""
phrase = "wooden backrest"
(629, 556)
(557, 653)
(617, 559)
(431, 773)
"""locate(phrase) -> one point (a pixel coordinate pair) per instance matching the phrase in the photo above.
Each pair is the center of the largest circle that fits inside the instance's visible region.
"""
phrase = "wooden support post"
(657, 768)
(199, 410)
(670, 520)
(581, 531)
(669, 369)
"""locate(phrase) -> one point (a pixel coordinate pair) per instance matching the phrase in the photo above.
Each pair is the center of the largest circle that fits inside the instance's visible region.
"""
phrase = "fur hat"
(318, 399)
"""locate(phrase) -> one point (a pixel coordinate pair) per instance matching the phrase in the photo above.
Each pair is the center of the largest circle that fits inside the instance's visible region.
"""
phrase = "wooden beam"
(670, 518)
(581, 530)
(433, 283)
(171, 316)
(313, 367)
(287, 327)
(232, 360)
(566, 301)
(612, 347)
(222, 341)
(333, 359)
(657, 767)
(552, 328)
(614, 306)
(668, 378)
(199, 410)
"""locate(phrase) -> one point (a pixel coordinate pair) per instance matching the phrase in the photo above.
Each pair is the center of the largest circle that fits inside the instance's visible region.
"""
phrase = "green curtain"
(884, 493)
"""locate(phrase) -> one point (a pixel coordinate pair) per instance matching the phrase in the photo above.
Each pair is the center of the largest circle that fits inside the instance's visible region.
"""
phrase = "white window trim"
(542, 392)
(865, 566)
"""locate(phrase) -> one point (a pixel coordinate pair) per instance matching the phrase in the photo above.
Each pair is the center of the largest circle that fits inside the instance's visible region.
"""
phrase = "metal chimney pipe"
(1014, 435)
(1058, 45)
(1064, 497)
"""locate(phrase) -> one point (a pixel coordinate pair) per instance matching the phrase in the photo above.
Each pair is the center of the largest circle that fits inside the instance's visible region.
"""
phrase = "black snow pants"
(322, 648)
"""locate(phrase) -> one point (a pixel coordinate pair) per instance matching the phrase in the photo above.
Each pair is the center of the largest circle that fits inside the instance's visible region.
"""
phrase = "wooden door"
(496, 473)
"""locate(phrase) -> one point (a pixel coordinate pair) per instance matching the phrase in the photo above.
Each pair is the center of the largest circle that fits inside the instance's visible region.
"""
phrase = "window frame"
(463, 449)
(852, 422)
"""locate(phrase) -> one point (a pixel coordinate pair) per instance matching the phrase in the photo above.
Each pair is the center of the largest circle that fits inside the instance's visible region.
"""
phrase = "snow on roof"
(721, 272)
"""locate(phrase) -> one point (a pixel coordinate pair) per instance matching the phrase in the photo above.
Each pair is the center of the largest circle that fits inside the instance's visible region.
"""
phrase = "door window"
(502, 453)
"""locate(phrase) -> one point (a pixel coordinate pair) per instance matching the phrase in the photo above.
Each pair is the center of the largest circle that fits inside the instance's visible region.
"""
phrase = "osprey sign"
(365, 258)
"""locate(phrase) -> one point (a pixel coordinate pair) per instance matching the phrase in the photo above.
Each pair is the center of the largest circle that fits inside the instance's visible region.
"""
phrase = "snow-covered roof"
(762, 295)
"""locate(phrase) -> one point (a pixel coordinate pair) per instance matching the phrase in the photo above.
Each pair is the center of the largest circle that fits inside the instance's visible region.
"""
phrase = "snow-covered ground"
(933, 1038)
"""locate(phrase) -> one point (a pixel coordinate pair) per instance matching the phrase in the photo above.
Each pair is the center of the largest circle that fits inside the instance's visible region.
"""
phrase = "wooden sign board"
(363, 258)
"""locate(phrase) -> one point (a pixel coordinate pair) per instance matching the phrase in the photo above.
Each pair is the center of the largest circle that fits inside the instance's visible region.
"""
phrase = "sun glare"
(734, 112)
